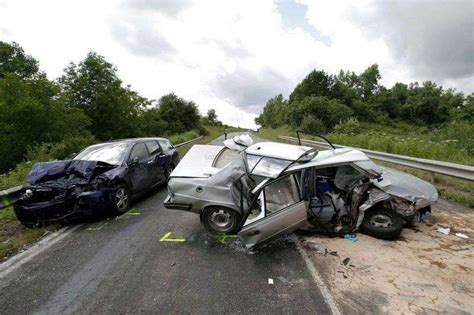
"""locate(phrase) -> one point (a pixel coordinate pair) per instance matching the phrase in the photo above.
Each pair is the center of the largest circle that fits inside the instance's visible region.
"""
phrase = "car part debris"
(444, 231)
(461, 235)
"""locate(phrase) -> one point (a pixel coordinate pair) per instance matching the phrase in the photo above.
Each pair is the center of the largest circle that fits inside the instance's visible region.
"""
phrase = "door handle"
(253, 233)
(150, 162)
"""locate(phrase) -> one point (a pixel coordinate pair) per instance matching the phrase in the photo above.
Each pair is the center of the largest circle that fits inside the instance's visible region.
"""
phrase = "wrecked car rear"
(271, 188)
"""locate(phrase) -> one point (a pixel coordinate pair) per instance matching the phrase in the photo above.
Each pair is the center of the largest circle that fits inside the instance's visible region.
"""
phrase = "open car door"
(282, 211)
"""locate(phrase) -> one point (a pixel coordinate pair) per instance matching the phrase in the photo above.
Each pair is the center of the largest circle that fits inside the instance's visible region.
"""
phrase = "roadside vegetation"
(44, 120)
(420, 120)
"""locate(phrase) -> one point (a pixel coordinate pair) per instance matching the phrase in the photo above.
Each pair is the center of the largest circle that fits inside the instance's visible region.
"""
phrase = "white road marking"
(45, 243)
(317, 278)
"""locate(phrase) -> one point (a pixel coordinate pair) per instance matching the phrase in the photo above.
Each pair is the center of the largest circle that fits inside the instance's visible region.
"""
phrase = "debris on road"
(421, 272)
(444, 231)
(351, 237)
(346, 261)
(270, 281)
(461, 235)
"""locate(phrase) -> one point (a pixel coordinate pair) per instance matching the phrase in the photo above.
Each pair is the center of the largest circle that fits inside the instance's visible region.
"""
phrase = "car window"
(252, 160)
(346, 177)
(153, 147)
(269, 167)
(111, 153)
(166, 145)
(281, 194)
(140, 151)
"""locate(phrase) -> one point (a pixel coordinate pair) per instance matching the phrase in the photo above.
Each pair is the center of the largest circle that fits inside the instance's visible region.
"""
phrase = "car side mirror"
(134, 161)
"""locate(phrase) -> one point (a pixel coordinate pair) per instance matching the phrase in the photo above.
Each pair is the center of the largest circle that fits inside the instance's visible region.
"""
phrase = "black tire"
(220, 220)
(122, 199)
(382, 223)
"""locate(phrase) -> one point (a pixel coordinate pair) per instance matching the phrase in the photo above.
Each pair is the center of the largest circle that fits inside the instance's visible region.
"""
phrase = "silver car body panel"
(281, 222)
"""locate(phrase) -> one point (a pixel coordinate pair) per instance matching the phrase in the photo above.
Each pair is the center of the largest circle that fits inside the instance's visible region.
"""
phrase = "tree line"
(88, 102)
(321, 101)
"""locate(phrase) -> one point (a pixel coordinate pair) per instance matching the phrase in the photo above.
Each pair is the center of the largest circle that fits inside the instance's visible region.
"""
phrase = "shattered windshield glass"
(113, 154)
(370, 167)
(269, 167)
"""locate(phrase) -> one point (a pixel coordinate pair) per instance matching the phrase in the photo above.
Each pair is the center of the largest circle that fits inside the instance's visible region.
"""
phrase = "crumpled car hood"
(50, 171)
(406, 186)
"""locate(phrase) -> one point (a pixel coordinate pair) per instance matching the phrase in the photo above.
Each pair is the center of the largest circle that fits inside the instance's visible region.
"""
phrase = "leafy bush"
(350, 126)
(313, 126)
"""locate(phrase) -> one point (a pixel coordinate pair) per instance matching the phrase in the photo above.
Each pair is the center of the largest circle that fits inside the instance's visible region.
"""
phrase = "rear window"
(153, 147)
(270, 167)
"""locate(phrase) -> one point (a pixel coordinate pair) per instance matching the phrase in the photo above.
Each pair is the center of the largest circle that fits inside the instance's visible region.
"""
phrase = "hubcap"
(121, 198)
(221, 220)
(381, 220)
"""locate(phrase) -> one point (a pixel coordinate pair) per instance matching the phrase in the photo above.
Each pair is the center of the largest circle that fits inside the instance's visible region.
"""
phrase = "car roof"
(278, 150)
(335, 157)
(131, 140)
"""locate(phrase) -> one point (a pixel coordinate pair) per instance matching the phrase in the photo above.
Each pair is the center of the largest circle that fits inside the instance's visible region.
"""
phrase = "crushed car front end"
(62, 189)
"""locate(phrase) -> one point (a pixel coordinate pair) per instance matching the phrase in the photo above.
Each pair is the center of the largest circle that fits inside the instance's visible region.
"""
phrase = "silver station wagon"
(269, 189)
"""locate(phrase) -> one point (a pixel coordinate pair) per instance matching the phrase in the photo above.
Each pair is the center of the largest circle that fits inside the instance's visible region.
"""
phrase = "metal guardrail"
(10, 196)
(436, 167)
(188, 142)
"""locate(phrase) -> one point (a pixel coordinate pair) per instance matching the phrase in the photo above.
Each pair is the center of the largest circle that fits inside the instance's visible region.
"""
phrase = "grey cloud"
(248, 90)
(140, 38)
(434, 38)
(168, 7)
(232, 50)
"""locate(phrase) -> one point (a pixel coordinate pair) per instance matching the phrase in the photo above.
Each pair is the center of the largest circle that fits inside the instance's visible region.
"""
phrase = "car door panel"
(139, 171)
(156, 163)
(279, 223)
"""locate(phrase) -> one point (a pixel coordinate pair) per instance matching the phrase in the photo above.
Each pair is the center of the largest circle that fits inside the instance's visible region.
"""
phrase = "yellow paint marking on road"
(223, 237)
(166, 238)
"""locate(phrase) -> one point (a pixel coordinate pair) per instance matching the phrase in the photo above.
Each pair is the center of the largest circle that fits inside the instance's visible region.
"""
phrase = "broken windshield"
(112, 153)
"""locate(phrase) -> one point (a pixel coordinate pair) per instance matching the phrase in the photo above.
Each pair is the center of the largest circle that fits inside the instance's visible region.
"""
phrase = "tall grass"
(447, 151)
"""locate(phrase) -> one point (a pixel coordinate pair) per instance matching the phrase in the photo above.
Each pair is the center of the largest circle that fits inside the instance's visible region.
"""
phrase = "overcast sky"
(234, 55)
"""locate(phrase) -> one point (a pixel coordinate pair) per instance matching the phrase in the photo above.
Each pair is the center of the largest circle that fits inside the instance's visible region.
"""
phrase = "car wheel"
(169, 170)
(382, 223)
(122, 199)
(220, 220)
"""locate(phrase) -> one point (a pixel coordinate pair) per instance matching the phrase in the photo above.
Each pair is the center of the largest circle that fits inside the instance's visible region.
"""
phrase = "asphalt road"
(121, 266)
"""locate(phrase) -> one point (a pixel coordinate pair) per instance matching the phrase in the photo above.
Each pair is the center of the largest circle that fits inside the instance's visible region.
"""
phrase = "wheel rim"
(381, 220)
(121, 198)
(221, 220)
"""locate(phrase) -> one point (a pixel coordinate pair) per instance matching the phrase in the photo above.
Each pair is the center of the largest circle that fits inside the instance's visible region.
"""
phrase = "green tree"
(14, 60)
(274, 113)
(31, 113)
(180, 114)
(316, 83)
(94, 87)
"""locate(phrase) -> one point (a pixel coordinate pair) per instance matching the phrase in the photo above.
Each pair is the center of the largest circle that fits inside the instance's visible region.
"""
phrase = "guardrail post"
(432, 177)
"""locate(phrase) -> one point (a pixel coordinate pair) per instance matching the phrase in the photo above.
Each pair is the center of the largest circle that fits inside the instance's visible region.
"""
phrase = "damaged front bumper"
(30, 209)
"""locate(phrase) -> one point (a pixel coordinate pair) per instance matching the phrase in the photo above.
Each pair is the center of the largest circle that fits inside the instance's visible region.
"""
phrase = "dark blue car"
(102, 179)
